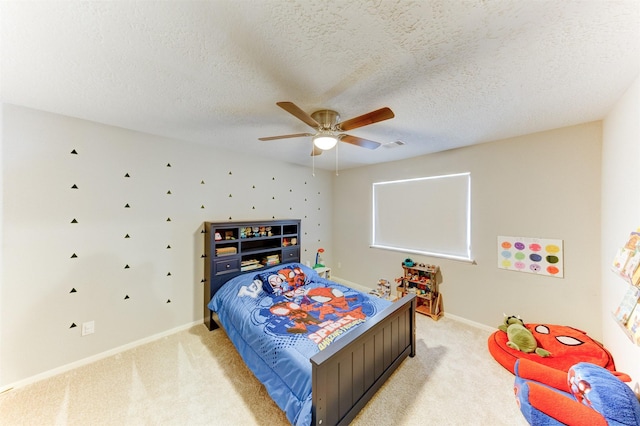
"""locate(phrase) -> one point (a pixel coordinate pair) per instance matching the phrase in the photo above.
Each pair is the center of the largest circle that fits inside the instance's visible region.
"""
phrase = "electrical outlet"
(88, 327)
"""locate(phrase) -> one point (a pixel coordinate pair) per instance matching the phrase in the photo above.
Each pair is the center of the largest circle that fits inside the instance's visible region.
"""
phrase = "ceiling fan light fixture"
(325, 141)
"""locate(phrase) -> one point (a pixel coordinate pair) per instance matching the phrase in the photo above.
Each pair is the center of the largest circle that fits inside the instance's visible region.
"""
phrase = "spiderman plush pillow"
(282, 281)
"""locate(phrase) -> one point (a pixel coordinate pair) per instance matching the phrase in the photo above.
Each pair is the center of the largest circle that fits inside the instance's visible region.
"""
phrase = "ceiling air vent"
(394, 144)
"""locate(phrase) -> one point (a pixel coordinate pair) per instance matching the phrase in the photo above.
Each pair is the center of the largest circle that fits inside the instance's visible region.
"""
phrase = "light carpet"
(196, 377)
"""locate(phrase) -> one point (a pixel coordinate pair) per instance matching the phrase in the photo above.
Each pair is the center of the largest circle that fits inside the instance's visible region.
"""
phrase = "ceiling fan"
(329, 128)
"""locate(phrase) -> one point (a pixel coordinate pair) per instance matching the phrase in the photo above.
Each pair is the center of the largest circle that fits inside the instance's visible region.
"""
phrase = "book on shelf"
(271, 260)
(627, 259)
(221, 251)
(250, 267)
(635, 279)
(633, 324)
(627, 305)
(632, 266)
(250, 264)
(621, 259)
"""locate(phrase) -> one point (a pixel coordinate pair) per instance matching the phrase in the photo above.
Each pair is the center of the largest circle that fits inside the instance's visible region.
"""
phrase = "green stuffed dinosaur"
(520, 337)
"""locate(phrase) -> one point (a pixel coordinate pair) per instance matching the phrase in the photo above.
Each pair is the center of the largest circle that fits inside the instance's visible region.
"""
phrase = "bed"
(321, 349)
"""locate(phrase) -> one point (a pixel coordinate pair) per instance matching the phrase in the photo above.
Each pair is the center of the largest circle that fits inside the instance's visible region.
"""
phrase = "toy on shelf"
(383, 290)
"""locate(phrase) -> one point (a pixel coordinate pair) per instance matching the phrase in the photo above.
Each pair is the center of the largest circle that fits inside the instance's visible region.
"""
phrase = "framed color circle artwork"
(540, 256)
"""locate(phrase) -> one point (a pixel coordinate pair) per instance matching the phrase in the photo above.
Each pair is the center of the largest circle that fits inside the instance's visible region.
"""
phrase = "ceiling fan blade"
(316, 151)
(354, 140)
(293, 109)
(365, 119)
(297, 135)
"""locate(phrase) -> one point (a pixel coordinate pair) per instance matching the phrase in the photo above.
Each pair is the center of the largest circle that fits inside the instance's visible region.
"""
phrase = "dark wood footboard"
(350, 371)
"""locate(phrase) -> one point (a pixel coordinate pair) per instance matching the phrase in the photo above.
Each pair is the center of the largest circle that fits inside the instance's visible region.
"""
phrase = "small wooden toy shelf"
(424, 282)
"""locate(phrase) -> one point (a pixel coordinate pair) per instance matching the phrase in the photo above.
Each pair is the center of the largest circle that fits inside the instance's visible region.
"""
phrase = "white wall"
(544, 185)
(620, 215)
(163, 285)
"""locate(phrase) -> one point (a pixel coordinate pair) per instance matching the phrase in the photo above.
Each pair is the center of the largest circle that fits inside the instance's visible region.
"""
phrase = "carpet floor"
(196, 377)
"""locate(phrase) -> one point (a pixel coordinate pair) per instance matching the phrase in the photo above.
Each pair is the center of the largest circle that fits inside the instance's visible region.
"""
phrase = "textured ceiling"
(454, 72)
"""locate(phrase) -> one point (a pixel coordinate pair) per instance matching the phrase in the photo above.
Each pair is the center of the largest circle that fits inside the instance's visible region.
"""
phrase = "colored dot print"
(552, 270)
(531, 255)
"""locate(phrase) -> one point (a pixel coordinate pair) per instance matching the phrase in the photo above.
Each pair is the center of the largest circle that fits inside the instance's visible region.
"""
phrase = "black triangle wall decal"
(74, 186)
(126, 297)
(73, 256)
(74, 152)
(74, 221)
(73, 324)
(73, 290)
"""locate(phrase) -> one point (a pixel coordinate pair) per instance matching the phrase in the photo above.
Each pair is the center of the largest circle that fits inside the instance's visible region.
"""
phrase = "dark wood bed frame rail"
(347, 374)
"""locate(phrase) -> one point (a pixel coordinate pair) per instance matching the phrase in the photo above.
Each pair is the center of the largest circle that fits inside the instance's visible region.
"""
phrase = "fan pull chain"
(337, 159)
(313, 160)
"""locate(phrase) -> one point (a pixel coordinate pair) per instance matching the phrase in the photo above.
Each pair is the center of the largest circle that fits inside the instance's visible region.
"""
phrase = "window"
(428, 215)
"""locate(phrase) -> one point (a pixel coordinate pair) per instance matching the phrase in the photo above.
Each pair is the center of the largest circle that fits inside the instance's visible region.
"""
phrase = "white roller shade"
(429, 215)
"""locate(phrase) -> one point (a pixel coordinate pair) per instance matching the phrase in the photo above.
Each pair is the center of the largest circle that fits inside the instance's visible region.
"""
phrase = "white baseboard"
(450, 316)
(94, 358)
(471, 323)
(353, 285)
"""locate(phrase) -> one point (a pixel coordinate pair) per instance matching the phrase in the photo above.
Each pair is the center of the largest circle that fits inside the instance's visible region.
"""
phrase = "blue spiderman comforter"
(279, 318)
